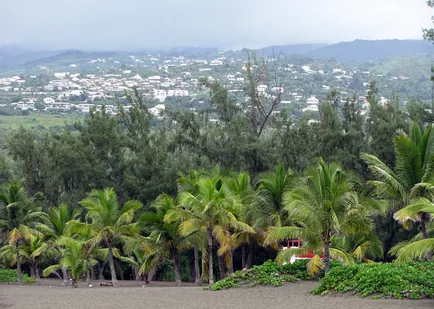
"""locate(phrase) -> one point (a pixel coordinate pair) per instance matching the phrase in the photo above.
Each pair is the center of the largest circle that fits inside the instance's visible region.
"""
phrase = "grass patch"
(36, 119)
(381, 280)
(10, 275)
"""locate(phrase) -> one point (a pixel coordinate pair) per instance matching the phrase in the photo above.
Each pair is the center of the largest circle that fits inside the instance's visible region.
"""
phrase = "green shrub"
(10, 275)
(268, 273)
(410, 280)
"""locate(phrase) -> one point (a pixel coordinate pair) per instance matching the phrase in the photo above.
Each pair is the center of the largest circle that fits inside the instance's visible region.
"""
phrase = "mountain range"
(358, 50)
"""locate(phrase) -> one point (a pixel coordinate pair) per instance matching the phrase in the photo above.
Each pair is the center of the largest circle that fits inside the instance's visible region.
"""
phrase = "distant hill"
(358, 50)
(70, 55)
(293, 49)
(11, 55)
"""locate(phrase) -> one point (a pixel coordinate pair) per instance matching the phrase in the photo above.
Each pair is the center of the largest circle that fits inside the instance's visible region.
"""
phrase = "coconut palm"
(56, 227)
(212, 210)
(107, 221)
(413, 175)
(269, 208)
(34, 249)
(323, 205)
(164, 237)
(75, 258)
(240, 185)
(421, 246)
(18, 215)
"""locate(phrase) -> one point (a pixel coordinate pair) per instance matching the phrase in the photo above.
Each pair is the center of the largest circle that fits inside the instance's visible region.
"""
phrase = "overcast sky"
(130, 24)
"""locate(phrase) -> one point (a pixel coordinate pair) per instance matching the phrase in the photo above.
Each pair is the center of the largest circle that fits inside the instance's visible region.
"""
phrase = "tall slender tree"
(18, 216)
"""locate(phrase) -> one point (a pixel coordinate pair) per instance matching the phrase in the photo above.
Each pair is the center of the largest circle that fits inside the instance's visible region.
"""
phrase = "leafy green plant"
(10, 275)
(410, 280)
(268, 273)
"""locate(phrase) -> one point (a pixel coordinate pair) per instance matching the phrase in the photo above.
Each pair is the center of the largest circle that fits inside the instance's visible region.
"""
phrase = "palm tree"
(33, 250)
(164, 236)
(212, 211)
(421, 246)
(56, 227)
(323, 205)
(269, 208)
(18, 215)
(75, 258)
(413, 176)
(108, 222)
(251, 214)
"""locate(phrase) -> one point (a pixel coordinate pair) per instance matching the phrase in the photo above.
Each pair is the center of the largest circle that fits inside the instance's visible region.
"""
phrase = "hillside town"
(162, 80)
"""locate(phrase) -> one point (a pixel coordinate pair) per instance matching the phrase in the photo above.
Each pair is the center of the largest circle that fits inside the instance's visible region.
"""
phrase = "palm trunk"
(243, 256)
(176, 266)
(38, 274)
(87, 276)
(32, 271)
(196, 267)
(249, 260)
(111, 262)
(210, 260)
(92, 272)
(221, 268)
(65, 276)
(19, 272)
(136, 273)
(151, 275)
(231, 267)
(326, 256)
(428, 255)
(100, 272)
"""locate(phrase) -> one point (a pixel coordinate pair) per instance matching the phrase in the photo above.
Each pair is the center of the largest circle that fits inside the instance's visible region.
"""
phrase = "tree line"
(133, 194)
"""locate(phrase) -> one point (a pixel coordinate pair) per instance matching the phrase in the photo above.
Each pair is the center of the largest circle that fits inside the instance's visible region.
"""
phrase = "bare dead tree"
(263, 90)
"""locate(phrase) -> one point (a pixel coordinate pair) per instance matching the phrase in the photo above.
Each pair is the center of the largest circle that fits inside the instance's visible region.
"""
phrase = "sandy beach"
(52, 295)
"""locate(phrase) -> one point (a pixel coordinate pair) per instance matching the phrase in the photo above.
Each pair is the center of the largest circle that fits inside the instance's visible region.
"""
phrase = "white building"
(262, 89)
(216, 62)
(312, 101)
(311, 108)
(157, 110)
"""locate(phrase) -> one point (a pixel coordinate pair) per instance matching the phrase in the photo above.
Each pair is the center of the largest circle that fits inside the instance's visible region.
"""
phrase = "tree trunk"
(87, 276)
(92, 272)
(243, 256)
(326, 256)
(65, 276)
(100, 272)
(231, 267)
(176, 266)
(221, 267)
(111, 262)
(422, 227)
(151, 275)
(19, 272)
(210, 260)
(136, 273)
(38, 274)
(196, 267)
(32, 271)
(249, 260)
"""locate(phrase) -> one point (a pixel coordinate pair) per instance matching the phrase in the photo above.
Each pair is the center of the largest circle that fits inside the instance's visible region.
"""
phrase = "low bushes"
(410, 280)
(10, 275)
(268, 273)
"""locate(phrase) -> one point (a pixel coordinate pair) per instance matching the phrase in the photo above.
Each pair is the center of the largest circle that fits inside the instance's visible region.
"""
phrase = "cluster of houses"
(67, 91)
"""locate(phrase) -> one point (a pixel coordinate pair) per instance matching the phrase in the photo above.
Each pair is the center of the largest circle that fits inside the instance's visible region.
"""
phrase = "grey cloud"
(127, 24)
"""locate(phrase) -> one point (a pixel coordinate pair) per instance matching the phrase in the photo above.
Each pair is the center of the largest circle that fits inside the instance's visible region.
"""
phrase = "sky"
(227, 24)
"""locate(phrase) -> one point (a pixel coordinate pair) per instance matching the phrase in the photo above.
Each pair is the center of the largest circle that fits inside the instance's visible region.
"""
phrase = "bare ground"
(53, 295)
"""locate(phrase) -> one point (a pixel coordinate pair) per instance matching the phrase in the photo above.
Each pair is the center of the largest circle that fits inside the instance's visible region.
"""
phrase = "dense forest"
(187, 199)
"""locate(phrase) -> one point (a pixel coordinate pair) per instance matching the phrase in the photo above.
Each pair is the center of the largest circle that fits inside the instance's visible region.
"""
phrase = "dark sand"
(130, 295)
